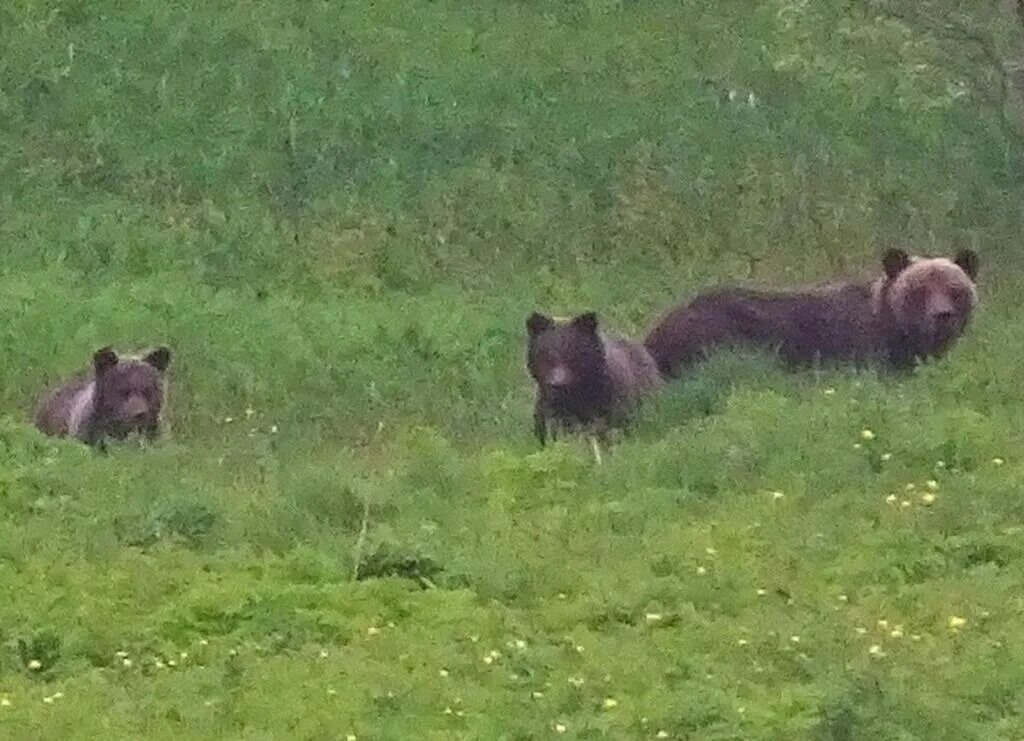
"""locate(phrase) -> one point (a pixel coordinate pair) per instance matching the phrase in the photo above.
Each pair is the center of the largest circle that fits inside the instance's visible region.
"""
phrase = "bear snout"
(944, 326)
(135, 411)
(559, 377)
(942, 312)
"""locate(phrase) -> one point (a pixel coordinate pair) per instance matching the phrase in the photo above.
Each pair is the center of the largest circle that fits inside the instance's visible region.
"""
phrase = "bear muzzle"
(559, 377)
(944, 327)
(134, 413)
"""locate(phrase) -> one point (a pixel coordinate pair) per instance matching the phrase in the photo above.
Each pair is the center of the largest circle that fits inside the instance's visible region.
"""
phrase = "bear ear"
(159, 358)
(537, 323)
(894, 262)
(968, 261)
(587, 322)
(103, 360)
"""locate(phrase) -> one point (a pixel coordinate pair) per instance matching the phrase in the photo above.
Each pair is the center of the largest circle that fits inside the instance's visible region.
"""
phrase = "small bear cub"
(583, 378)
(120, 396)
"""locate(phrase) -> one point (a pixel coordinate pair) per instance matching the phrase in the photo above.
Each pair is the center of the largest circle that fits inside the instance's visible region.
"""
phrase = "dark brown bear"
(583, 378)
(120, 396)
(917, 310)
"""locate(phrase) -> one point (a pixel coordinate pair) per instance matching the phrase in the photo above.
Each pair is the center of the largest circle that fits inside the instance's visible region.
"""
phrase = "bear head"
(129, 392)
(929, 300)
(566, 358)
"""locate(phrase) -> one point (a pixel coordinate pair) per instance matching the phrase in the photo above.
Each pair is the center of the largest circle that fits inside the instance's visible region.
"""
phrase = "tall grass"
(338, 215)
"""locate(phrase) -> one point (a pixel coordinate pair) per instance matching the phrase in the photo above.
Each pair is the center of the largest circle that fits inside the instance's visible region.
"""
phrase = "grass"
(338, 215)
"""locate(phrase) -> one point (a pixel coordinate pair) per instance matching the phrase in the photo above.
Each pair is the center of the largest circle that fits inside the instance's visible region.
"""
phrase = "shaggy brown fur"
(120, 396)
(916, 311)
(583, 378)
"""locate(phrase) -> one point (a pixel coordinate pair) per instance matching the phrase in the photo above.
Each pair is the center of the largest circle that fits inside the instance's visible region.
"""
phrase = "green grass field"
(339, 214)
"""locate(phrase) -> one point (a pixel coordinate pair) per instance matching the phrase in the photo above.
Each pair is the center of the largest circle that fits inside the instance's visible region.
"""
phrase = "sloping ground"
(339, 215)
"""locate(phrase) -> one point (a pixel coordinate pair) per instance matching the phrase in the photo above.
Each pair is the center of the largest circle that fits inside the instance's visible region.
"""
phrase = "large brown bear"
(118, 397)
(915, 311)
(584, 379)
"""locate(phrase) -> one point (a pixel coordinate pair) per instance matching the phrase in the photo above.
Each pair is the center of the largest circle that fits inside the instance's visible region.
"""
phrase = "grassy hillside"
(338, 215)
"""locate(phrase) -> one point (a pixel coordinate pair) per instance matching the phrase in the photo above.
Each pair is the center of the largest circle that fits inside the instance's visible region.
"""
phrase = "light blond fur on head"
(920, 270)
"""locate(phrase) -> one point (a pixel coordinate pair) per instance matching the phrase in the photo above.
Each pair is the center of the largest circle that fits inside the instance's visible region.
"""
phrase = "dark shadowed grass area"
(339, 215)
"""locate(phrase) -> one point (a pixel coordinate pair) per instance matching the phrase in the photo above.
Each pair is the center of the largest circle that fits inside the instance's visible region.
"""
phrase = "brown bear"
(584, 379)
(118, 397)
(917, 310)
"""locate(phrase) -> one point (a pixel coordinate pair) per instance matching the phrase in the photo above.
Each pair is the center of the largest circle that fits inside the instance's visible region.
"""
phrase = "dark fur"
(117, 398)
(906, 316)
(584, 380)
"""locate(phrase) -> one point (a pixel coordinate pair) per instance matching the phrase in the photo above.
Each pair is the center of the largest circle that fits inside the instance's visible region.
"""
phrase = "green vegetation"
(338, 214)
